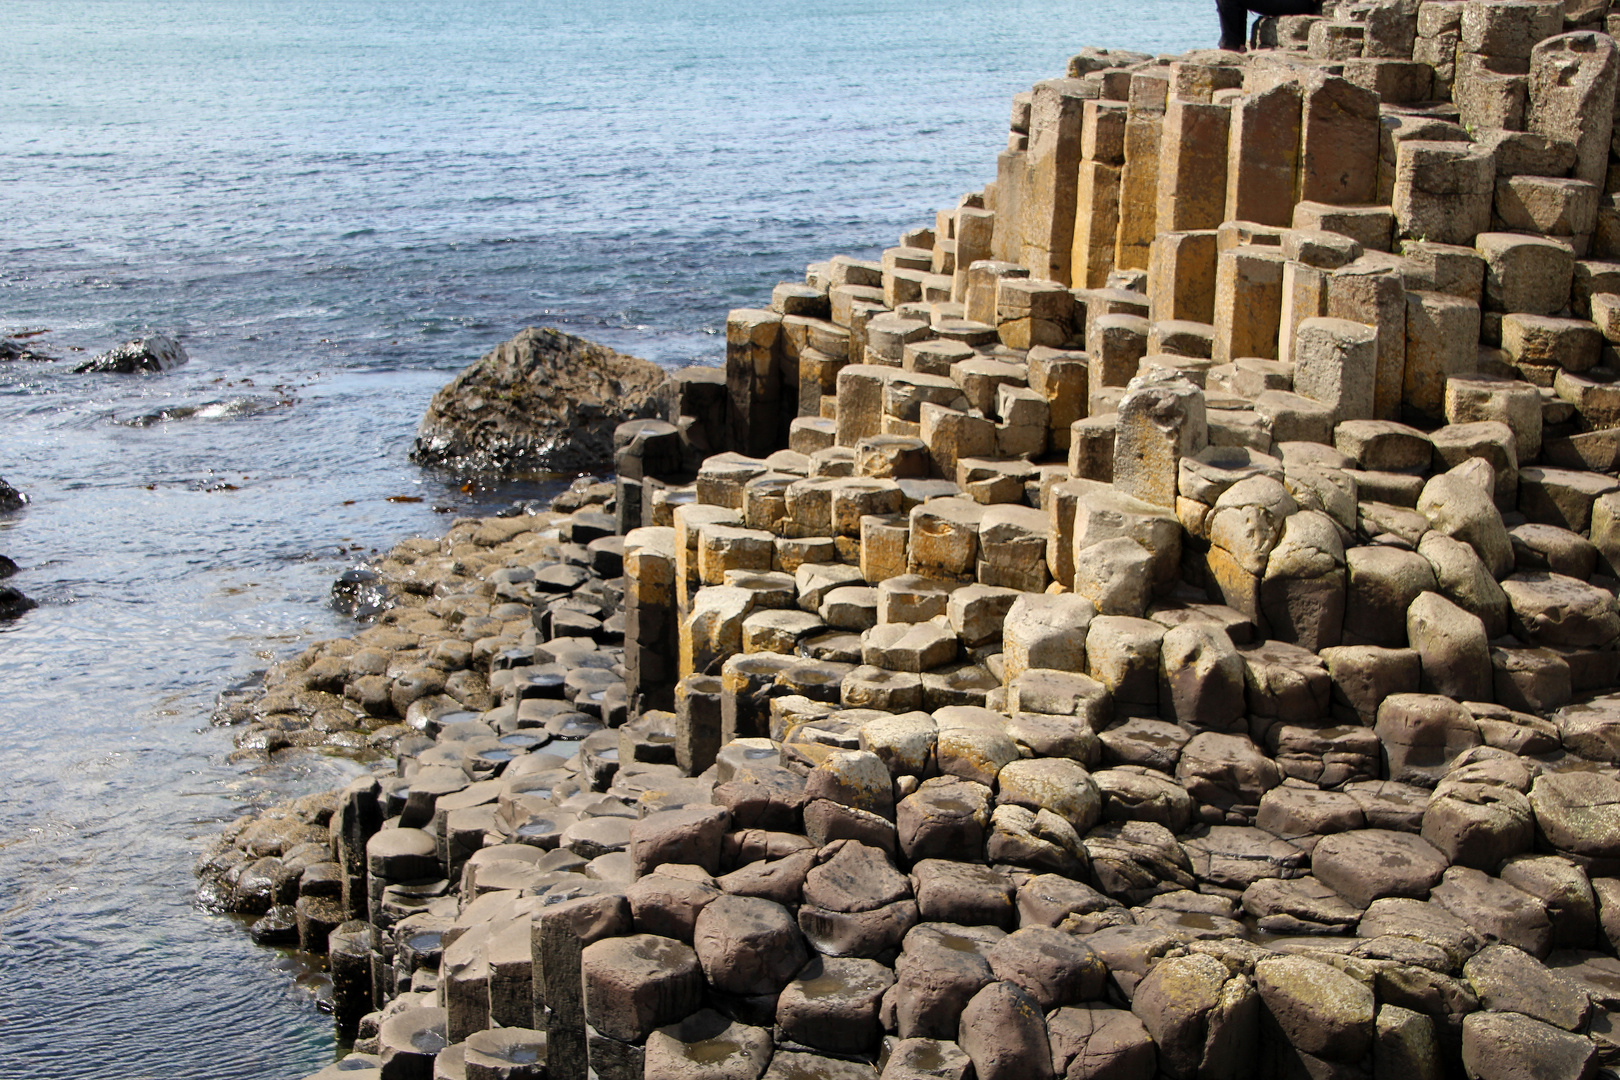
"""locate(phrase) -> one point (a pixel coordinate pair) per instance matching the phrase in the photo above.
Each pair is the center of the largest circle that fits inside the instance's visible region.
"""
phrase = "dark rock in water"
(361, 593)
(12, 349)
(7, 568)
(545, 401)
(156, 353)
(10, 497)
(13, 603)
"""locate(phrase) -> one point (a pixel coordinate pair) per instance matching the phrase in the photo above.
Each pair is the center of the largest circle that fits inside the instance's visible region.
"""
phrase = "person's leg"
(1234, 16)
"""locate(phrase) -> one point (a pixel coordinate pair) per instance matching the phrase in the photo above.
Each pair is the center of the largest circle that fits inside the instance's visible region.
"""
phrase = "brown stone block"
(1192, 166)
(1338, 142)
(1263, 156)
(1373, 294)
(1139, 190)
(1248, 303)
(1046, 207)
(1181, 276)
(1096, 225)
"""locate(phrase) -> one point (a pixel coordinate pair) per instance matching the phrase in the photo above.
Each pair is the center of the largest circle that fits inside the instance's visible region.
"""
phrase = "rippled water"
(335, 205)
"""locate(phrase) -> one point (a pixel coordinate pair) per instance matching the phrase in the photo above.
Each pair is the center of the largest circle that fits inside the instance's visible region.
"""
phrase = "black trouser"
(1235, 16)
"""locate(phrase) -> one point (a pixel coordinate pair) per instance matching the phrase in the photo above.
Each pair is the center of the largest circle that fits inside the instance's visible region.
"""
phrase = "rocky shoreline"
(1160, 620)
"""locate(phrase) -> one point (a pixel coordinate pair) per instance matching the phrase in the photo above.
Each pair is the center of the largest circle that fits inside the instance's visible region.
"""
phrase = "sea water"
(335, 205)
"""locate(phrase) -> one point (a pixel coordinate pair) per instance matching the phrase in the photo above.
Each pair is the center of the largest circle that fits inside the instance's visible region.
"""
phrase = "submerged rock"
(13, 349)
(544, 401)
(360, 593)
(10, 497)
(156, 353)
(13, 603)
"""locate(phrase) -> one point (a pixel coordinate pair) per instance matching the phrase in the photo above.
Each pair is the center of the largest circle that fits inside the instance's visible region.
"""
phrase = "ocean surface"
(335, 205)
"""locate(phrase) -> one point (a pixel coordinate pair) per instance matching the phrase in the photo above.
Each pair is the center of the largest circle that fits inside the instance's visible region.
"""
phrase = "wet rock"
(1506, 1046)
(748, 946)
(1507, 979)
(708, 1046)
(1226, 771)
(1099, 1042)
(832, 1005)
(1059, 785)
(544, 400)
(1202, 1017)
(1321, 1010)
(155, 353)
(1422, 735)
(926, 1059)
(852, 877)
(1366, 865)
(946, 815)
(1298, 906)
(1478, 825)
(1004, 1032)
(953, 892)
(13, 604)
(1578, 812)
(11, 500)
(278, 926)
(1052, 966)
(939, 970)
(1137, 860)
(1497, 910)
(668, 906)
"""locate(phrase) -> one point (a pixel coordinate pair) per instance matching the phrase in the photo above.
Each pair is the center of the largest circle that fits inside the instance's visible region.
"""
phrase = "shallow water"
(335, 205)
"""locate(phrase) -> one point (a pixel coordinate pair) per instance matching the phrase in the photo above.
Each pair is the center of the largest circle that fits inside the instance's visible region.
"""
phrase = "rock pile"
(1160, 620)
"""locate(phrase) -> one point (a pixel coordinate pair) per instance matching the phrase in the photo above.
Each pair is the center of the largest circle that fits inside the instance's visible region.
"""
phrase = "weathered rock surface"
(545, 401)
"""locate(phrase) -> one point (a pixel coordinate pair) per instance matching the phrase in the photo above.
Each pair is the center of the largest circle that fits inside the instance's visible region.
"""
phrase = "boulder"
(1204, 1019)
(158, 352)
(10, 498)
(1004, 1032)
(1321, 1010)
(1099, 1042)
(1507, 1046)
(544, 401)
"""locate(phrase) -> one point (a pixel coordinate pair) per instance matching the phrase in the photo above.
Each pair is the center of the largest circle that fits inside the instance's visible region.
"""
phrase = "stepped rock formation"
(1158, 620)
(545, 401)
